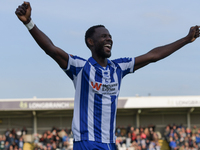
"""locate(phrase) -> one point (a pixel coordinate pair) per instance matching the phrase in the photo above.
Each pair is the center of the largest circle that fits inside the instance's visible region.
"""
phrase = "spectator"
(18, 133)
(10, 147)
(2, 143)
(194, 129)
(58, 142)
(128, 140)
(138, 139)
(128, 129)
(182, 140)
(188, 131)
(20, 143)
(7, 132)
(118, 131)
(65, 140)
(172, 144)
(174, 128)
(7, 145)
(133, 134)
(166, 133)
(197, 138)
(54, 146)
(143, 135)
(177, 140)
(157, 146)
(24, 131)
(10, 139)
(183, 132)
(146, 132)
(62, 133)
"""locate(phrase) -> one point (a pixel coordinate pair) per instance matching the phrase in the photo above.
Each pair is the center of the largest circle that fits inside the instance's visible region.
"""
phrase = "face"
(102, 41)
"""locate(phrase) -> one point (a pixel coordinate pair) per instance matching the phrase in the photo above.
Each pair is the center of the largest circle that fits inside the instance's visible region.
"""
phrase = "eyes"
(106, 36)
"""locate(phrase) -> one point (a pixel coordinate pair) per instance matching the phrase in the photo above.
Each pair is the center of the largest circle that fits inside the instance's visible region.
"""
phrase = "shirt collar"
(93, 62)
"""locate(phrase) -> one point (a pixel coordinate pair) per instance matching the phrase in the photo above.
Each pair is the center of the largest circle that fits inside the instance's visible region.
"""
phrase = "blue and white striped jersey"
(96, 97)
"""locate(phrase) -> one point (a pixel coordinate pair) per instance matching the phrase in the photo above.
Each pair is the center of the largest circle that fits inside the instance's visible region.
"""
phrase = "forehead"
(101, 30)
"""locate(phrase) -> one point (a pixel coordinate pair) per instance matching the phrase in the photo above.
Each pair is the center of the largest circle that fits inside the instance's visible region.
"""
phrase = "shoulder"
(122, 60)
(76, 57)
(125, 63)
(74, 61)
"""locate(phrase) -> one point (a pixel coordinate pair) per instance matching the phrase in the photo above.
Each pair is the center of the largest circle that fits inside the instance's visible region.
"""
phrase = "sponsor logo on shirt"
(109, 89)
(96, 85)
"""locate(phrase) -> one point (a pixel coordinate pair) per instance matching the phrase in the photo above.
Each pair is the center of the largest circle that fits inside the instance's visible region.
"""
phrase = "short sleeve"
(126, 64)
(75, 64)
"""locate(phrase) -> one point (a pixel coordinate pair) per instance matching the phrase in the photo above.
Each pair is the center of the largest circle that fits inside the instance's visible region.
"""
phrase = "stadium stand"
(175, 137)
(134, 131)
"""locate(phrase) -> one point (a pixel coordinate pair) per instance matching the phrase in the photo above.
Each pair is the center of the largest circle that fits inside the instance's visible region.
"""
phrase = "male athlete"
(97, 80)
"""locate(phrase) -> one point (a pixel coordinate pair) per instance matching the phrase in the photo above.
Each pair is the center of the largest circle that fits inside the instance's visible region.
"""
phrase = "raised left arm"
(161, 52)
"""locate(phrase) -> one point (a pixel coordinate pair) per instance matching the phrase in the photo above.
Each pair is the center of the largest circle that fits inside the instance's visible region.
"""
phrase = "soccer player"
(97, 80)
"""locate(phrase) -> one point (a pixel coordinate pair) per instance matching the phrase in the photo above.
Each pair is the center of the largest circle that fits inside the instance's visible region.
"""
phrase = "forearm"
(166, 50)
(60, 56)
(42, 40)
(159, 53)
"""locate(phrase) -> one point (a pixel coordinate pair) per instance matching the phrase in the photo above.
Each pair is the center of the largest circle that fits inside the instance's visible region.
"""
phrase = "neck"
(101, 61)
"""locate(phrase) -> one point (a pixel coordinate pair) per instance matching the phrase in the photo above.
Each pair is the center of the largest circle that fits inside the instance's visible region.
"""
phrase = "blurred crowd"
(143, 138)
(128, 138)
(56, 139)
(12, 139)
(182, 138)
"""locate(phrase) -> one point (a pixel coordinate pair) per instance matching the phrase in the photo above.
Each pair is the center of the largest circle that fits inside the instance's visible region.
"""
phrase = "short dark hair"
(89, 33)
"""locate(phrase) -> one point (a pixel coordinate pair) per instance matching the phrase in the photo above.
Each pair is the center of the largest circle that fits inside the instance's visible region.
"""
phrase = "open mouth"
(108, 46)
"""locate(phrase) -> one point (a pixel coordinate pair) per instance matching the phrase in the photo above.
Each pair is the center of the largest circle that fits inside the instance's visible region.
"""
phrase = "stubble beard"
(101, 52)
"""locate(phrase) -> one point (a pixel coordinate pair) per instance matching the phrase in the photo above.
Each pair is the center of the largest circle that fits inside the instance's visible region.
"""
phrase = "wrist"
(187, 39)
(30, 24)
(27, 21)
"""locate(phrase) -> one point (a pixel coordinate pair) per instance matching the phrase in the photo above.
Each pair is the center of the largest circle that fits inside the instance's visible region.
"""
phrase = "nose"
(109, 38)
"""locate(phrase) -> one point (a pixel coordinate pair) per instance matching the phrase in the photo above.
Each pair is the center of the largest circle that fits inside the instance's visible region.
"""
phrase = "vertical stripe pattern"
(96, 96)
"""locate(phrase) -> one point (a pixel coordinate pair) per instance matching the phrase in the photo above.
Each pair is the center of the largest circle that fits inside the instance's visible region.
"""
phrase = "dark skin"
(101, 43)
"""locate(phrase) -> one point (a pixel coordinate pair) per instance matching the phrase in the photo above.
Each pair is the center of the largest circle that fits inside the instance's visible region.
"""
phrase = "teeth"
(108, 45)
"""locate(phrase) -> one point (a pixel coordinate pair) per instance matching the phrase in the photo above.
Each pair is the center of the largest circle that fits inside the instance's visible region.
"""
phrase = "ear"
(90, 41)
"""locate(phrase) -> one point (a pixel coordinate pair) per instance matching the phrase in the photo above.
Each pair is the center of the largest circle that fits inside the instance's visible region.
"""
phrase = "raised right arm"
(23, 12)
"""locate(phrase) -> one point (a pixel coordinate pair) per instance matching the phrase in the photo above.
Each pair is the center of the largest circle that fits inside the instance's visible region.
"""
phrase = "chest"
(103, 81)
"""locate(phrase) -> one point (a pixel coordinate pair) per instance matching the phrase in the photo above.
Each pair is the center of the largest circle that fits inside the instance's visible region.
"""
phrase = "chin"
(108, 55)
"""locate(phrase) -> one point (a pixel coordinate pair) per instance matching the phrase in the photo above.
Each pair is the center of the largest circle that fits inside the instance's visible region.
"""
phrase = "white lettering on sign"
(49, 105)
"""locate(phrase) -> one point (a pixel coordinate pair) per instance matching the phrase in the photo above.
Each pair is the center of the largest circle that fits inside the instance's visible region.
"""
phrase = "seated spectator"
(61, 133)
(188, 131)
(172, 144)
(10, 147)
(20, 143)
(2, 143)
(18, 133)
(166, 133)
(133, 136)
(65, 139)
(177, 140)
(10, 139)
(142, 135)
(118, 131)
(197, 138)
(7, 132)
(7, 145)
(144, 147)
(128, 140)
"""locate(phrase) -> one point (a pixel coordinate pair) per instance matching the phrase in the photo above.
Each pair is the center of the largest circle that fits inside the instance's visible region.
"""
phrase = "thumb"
(27, 5)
